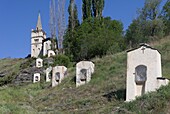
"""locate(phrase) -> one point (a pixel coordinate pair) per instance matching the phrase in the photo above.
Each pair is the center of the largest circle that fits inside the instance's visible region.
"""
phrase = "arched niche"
(140, 74)
(57, 76)
(83, 74)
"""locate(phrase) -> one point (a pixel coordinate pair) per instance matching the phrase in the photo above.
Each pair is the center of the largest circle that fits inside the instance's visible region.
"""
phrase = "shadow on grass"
(119, 95)
(74, 79)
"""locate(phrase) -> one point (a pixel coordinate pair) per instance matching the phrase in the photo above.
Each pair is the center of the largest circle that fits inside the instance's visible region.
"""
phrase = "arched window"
(36, 78)
(83, 74)
(57, 76)
(140, 74)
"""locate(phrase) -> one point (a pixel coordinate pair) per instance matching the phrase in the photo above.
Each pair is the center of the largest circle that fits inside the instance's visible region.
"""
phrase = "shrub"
(62, 60)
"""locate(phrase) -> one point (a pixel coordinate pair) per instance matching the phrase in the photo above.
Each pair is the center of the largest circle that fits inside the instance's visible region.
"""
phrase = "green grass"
(105, 93)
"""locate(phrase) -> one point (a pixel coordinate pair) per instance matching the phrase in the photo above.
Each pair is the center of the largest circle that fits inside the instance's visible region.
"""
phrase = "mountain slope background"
(104, 94)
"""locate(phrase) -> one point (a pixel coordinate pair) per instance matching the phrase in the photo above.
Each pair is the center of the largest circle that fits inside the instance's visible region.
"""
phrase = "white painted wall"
(142, 56)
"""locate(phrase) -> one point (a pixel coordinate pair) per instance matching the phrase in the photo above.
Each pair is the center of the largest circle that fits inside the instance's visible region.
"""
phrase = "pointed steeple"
(39, 25)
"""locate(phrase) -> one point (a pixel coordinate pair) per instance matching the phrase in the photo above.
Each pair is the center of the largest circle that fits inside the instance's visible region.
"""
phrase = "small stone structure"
(48, 71)
(84, 70)
(39, 63)
(46, 46)
(59, 72)
(144, 72)
(51, 53)
(36, 77)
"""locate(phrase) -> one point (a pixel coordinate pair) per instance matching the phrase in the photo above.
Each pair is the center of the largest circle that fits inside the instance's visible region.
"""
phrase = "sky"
(18, 17)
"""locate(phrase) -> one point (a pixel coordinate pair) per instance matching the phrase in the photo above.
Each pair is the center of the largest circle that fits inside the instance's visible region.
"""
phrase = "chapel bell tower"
(37, 37)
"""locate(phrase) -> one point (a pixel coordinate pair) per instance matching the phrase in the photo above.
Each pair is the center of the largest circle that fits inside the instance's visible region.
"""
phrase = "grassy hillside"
(104, 94)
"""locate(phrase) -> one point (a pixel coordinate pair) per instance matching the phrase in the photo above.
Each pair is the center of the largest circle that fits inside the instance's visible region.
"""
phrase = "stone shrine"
(59, 72)
(39, 63)
(51, 53)
(84, 70)
(144, 72)
(36, 77)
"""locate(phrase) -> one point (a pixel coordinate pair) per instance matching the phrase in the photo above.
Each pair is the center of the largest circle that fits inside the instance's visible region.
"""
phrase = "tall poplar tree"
(86, 9)
(73, 21)
(97, 6)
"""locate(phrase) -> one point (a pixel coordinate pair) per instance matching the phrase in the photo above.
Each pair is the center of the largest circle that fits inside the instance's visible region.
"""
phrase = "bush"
(61, 60)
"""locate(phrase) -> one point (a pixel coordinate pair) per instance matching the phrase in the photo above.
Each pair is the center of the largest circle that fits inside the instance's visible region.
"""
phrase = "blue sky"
(18, 17)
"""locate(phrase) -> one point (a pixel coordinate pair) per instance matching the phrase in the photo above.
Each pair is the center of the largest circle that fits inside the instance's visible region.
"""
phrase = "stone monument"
(36, 77)
(59, 72)
(39, 63)
(144, 72)
(84, 70)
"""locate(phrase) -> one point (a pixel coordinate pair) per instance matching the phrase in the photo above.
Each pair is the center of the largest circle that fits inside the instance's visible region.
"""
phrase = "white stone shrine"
(84, 70)
(39, 63)
(48, 71)
(36, 77)
(59, 72)
(144, 72)
(51, 53)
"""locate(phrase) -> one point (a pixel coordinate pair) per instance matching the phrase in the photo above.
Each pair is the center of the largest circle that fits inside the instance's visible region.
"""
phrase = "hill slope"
(104, 94)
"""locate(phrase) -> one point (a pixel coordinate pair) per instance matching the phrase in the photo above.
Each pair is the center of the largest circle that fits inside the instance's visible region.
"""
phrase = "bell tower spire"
(39, 25)
(37, 38)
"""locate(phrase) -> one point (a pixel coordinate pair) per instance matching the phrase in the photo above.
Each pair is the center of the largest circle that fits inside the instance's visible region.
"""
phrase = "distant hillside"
(104, 94)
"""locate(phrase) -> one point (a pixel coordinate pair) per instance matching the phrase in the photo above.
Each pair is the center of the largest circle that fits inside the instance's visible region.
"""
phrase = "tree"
(150, 13)
(166, 17)
(96, 37)
(97, 6)
(86, 9)
(73, 21)
(151, 10)
(147, 26)
(134, 34)
(61, 27)
(53, 24)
